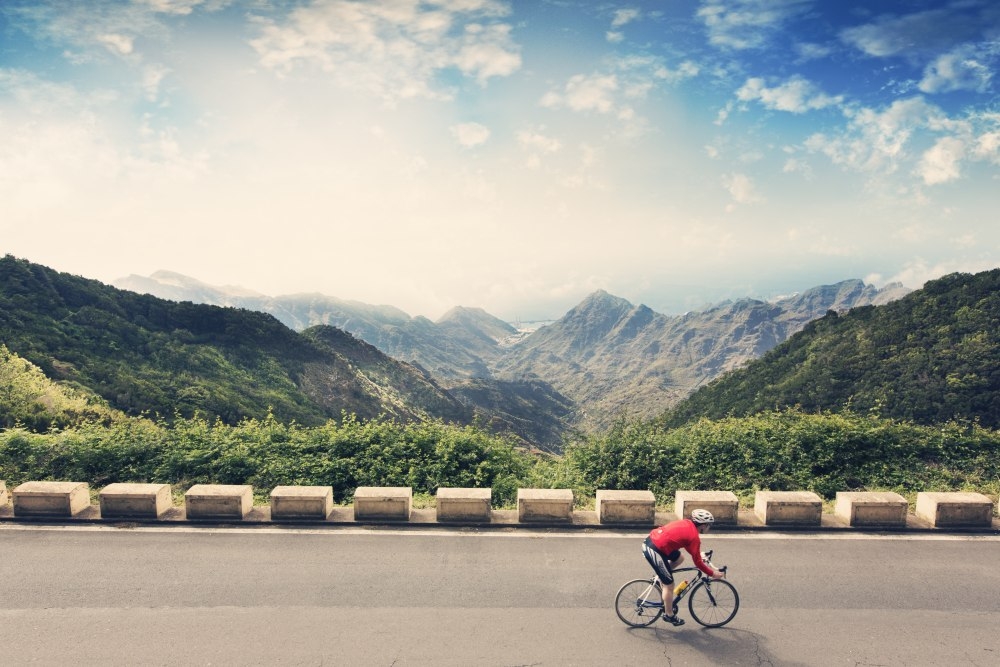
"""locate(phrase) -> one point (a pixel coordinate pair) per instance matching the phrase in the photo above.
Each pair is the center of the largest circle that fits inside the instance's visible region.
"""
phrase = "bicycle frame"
(699, 575)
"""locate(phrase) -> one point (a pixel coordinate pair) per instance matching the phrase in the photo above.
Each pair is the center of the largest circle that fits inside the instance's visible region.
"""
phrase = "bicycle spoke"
(714, 604)
(638, 603)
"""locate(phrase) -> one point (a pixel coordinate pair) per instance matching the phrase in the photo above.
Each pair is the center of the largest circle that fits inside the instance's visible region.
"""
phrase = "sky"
(510, 155)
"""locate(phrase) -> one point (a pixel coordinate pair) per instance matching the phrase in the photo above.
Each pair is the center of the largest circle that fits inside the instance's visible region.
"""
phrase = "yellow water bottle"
(680, 588)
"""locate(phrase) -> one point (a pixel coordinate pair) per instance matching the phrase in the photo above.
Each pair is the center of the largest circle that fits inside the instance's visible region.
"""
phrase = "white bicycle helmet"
(702, 516)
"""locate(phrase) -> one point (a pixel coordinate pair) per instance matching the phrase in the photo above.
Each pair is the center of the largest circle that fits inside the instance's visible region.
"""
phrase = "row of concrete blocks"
(234, 502)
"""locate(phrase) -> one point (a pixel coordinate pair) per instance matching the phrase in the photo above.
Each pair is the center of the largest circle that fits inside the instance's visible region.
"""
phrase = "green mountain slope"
(141, 353)
(931, 356)
(30, 399)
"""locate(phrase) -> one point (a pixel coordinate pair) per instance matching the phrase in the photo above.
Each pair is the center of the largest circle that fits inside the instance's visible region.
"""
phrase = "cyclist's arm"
(695, 550)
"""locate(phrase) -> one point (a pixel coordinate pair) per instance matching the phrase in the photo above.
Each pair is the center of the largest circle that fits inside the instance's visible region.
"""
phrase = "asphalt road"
(172, 596)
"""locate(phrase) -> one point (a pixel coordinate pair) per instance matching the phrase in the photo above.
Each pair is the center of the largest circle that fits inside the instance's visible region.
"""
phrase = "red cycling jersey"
(680, 534)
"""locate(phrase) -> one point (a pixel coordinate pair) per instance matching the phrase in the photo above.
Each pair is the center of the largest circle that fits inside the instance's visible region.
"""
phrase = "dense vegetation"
(786, 450)
(267, 453)
(790, 450)
(929, 357)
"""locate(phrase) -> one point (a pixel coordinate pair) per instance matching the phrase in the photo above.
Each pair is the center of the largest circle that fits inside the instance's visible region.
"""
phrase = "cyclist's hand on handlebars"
(719, 574)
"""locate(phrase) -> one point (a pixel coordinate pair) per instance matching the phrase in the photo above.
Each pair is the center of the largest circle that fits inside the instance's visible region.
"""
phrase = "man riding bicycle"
(662, 549)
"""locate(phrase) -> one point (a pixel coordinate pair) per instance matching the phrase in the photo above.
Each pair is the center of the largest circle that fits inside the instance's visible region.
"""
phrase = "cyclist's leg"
(673, 559)
(661, 565)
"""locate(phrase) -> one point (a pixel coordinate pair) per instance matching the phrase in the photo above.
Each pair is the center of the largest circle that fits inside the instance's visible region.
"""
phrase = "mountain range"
(604, 358)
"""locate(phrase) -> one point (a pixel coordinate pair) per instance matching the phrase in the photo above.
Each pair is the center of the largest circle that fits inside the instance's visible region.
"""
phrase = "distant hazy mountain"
(605, 356)
(463, 343)
(612, 357)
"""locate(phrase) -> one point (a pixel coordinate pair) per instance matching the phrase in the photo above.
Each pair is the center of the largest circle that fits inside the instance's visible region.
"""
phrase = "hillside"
(931, 356)
(142, 354)
(30, 399)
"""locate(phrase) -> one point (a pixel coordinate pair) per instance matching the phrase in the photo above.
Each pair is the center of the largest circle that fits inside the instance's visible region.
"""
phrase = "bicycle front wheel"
(713, 604)
(638, 603)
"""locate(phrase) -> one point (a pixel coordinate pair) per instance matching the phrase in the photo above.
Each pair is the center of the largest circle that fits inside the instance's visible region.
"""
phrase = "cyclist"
(662, 549)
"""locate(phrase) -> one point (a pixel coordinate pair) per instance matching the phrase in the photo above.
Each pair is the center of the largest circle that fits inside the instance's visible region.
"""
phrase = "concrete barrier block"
(301, 502)
(457, 504)
(135, 500)
(544, 505)
(724, 505)
(788, 508)
(955, 509)
(4, 497)
(637, 507)
(218, 501)
(51, 499)
(383, 502)
(871, 508)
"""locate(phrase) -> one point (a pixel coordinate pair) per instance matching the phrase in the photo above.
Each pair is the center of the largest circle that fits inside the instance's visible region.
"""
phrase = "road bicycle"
(712, 602)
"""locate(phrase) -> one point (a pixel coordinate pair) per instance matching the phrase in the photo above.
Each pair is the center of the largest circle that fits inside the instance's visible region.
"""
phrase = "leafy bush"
(266, 453)
(790, 450)
(787, 450)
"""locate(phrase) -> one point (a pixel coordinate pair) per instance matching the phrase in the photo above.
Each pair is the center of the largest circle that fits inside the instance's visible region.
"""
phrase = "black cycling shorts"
(659, 561)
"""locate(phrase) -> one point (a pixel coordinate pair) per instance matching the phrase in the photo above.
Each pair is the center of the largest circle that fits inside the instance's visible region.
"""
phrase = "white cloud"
(797, 166)
(108, 25)
(987, 147)
(538, 142)
(741, 188)
(117, 44)
(747, 24)
(920, 33)
(957, 70)
(624, 16)
(918, 271)
(796, 95)
(809, 51)
(152, 76)
(965, 241)
(487, 52)
(875, 141)
(585, 93)
(470, 135)
(392, 50)
(180, 7)
(881, 141)
(686, 70)
(941, 163)
(616, 92)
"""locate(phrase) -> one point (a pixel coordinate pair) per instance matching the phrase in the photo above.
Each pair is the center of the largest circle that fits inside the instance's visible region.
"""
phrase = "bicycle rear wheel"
(638, 603)
(713, 604)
